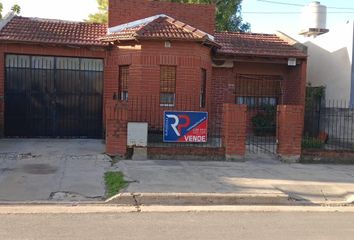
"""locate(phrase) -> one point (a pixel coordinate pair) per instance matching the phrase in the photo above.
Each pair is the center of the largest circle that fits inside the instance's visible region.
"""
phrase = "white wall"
(330, 61)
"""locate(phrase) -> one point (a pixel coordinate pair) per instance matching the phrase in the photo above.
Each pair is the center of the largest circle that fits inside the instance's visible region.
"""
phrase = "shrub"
(264, 121)
(314, 143)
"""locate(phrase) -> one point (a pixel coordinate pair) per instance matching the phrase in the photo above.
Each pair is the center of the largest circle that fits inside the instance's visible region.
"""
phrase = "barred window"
(257, 101)
(167, 85)
(258, 90)
(203, 88)
(123, 82)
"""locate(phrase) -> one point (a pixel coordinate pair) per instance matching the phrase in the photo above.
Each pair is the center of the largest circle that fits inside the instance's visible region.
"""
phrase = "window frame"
(165, 70)
(123, 84)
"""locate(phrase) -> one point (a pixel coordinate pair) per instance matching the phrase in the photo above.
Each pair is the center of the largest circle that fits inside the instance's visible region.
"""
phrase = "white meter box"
(137, 134)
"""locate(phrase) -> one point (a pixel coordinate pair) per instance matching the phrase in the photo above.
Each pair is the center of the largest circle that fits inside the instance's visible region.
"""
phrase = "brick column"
(290, 124)
(234, 131)
(116, 129)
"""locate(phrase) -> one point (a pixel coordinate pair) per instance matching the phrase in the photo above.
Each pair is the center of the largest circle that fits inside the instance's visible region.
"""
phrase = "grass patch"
(114, 183)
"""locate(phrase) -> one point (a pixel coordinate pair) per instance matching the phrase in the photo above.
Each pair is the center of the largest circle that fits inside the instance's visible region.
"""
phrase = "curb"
(198, 199)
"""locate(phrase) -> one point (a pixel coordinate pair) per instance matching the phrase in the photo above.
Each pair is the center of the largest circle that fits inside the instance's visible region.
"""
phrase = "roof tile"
(253, 44)
(159, 26)
(24, 29)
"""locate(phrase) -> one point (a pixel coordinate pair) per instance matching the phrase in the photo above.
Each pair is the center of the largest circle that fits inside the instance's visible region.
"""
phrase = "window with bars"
(203, 88)
(123, 82)
(167, 85)
(258, 90)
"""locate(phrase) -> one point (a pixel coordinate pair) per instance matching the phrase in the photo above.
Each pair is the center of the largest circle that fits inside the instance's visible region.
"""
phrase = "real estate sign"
(185, 127)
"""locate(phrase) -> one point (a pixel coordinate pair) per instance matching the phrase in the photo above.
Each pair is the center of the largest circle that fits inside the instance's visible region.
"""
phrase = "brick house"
(65, 79)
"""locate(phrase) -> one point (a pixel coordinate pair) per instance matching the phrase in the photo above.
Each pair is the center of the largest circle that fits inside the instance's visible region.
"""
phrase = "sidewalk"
(53, 170)
(307, 184)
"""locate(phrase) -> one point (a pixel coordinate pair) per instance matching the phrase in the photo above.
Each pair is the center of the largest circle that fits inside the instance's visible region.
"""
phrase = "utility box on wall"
(137, 134)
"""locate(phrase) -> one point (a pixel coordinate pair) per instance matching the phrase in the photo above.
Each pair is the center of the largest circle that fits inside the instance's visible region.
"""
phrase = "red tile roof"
(157, 27)
(37, 30)
(252, 44)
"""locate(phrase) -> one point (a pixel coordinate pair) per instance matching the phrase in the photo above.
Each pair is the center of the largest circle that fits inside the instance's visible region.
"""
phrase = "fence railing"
(329, 125)
(149, 109)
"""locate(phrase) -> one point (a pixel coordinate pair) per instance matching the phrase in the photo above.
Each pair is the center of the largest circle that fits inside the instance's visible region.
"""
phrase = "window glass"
(167, 85)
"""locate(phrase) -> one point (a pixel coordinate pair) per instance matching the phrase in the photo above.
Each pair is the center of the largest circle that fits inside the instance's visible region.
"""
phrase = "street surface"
(265, 225)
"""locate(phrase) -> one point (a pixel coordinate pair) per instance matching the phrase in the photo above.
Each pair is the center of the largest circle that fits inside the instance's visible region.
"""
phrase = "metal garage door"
(53, 96)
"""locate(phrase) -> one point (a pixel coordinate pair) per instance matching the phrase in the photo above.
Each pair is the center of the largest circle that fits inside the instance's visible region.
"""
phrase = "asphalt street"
(265, 225)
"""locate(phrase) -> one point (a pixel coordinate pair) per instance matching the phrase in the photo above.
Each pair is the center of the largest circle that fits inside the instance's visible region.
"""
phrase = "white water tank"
(313, 19)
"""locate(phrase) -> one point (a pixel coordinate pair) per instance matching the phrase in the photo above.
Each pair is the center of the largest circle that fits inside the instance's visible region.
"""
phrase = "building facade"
(330, 63)
(70, 79)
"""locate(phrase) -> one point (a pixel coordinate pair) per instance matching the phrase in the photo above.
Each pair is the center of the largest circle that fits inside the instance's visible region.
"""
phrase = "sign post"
(185, 127)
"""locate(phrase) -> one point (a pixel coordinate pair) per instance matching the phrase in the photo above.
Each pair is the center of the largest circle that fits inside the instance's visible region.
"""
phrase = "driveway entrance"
(52, 169)
(49, 96)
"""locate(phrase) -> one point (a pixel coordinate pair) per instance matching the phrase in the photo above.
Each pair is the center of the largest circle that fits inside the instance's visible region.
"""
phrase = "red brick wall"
(116, 129)
(144, 77)
(294, 80)
(234, 130)
(295, 85)
(201, 16)
(211, 153)
(290, 124)
(32, 49)
(223, 81)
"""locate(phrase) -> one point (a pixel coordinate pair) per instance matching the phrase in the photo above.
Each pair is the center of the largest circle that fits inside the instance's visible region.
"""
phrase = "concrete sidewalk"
(308, 184)
(37, 170)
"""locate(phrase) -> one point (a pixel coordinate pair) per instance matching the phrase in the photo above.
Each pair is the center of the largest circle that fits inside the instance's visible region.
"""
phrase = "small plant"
(264, 121)
(114, 182)
(312, 143)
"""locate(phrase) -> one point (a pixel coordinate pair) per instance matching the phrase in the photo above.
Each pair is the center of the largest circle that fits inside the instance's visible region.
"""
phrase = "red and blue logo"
(185, 127)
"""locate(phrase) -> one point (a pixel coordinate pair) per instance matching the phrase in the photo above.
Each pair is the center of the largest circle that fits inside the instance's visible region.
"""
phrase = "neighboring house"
(59, 78)
(330, 63)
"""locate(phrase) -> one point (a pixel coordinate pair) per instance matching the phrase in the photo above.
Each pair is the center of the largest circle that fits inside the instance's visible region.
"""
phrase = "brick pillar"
(290, 124)
(234, 131)
(116, 129)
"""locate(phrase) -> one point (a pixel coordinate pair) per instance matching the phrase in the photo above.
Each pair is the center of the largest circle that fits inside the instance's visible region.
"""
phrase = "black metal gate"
(47, 96)
(262, 94)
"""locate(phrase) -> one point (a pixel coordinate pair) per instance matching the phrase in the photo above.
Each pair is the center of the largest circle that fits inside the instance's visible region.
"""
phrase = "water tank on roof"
(313, 20)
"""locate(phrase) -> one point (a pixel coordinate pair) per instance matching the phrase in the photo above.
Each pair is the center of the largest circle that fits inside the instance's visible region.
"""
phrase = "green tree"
(1, 8)
(15, 8)
(228, 15)
(102, 15)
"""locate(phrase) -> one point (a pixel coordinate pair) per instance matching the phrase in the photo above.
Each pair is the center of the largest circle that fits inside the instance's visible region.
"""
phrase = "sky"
(290, 23)
(78, 10)
(75, 10)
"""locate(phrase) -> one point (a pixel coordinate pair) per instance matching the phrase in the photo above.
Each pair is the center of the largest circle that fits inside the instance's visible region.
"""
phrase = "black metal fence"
(329, 125)
(262, 94)
(261, 129)
(149, 109)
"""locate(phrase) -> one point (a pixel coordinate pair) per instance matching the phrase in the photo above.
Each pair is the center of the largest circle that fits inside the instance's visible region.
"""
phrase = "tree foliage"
(228, 15)
(102, 15)
(1, 8)
(15, 8)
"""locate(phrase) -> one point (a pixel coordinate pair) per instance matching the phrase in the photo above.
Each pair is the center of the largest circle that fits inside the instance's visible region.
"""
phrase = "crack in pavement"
(324, 196)
(136, 205)
(67, 195)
